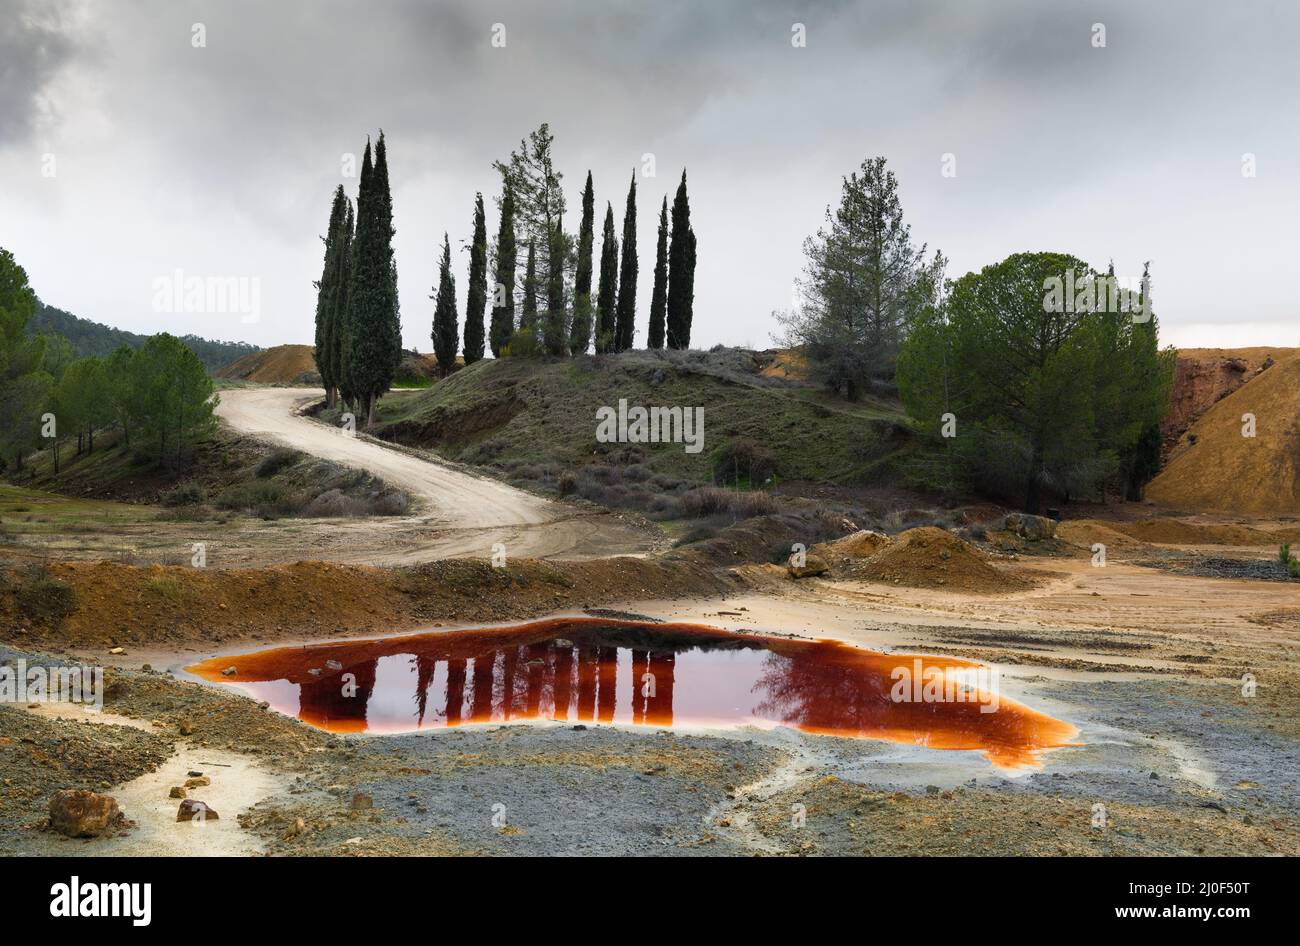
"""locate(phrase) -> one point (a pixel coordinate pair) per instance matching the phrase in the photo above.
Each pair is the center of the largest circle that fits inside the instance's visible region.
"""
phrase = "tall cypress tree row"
(681, 277)
(476, 292)
(659, 297)
(528, 318)
(444, 313)
(327, 295)
(555, 327)
(374, 319)
(350, 381)
(503, 306)
(580, 330)
(625, 320)
(605, 293)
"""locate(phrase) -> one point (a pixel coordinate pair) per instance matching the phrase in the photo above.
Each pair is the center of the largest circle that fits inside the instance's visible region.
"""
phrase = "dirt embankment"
(111, 603)
(1243, 455)
(1203, 377)
(283, 364)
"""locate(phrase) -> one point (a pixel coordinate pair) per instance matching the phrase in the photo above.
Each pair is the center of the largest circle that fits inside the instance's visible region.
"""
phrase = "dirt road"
(468, 514)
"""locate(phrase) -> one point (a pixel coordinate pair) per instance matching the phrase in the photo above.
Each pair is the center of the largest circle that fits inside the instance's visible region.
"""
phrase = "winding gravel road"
(470, 513)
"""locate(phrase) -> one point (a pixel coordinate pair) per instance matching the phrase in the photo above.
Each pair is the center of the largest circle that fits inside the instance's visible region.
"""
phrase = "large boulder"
(78, 813)
(813, 564)
(192, 809)
(1032, 528)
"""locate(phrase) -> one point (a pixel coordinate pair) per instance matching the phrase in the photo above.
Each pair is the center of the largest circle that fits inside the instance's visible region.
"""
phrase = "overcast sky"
(126, 153)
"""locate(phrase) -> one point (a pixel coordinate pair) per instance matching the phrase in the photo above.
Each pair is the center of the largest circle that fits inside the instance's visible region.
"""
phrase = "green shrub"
(1284, 553)
(279, 459)
(522, 344)
(184, 494)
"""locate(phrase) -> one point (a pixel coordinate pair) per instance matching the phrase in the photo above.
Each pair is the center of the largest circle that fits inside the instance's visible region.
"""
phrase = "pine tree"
(528, 318)
(580, 330)
(659, 297)
(555, 327)
(625, 327)
(537, 191)
(374, 320)
(503, 306)
(444, 313)
(605, 293)
(476, 292)
(327, 295)
(681, 279)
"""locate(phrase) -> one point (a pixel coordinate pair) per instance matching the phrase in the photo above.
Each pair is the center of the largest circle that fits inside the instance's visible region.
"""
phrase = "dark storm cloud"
(33, 48)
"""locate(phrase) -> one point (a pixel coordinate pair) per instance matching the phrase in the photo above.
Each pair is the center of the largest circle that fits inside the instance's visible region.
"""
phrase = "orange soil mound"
(1215, 468)
(787, 363)
(857, 545)
(929, 557)
(283, 364)
(1087, 532)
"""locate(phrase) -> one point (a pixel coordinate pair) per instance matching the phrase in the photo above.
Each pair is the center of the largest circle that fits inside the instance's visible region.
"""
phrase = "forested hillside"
(92, 338)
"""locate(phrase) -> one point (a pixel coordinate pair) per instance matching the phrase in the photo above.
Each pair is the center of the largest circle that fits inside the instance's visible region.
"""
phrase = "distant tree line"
(1009, 394)
(92, 338)
(159, 395)
(549, 308)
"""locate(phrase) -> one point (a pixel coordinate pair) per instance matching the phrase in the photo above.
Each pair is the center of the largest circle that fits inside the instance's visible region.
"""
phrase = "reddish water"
(596, 670)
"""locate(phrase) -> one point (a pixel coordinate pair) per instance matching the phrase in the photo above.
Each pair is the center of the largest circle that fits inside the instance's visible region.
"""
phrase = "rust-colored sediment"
(597, 670)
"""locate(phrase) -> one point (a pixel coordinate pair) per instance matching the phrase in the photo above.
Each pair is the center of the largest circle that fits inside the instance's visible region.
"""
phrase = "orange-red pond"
(595, 670)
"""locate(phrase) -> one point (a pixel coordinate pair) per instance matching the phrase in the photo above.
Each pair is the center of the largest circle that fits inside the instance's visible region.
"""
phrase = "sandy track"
(470, 513)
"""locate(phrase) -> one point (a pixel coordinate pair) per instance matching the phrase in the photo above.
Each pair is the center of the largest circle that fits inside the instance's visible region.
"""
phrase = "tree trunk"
(370, 410)
(56, 457)
(1032, 498)
(90, 439)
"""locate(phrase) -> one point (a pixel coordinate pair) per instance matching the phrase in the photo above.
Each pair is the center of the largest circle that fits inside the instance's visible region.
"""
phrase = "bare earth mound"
(929, 557)
(1175, 532)
(283, 364)
(1216, 468)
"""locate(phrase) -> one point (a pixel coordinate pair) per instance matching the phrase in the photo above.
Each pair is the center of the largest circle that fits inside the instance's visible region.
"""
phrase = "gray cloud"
(34, 46)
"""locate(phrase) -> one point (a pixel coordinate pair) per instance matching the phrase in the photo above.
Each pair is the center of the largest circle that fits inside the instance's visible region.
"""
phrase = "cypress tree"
(374, 319)
(328, 293)
(659, 297)
(476, 292)
(605, 304)
(555, 328)
(503, 306)
(349, 377)
(625, 327)
(444, 313)
(338, 318)
(681, 277)
(580, 331)
(528, 318)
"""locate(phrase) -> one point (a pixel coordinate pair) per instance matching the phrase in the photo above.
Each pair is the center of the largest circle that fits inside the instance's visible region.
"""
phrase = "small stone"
(201, 781)
(147, 668)
(185, 727)
(194, 810)
(229, 672)
(362, 802)
(192, 774)
(178, 792)
(264, 705)
(333, 665)
(81, 814)
(116, 651)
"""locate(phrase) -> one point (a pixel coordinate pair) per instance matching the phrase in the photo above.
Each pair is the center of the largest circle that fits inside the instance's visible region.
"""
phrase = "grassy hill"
(92, 338)
(534, 421)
